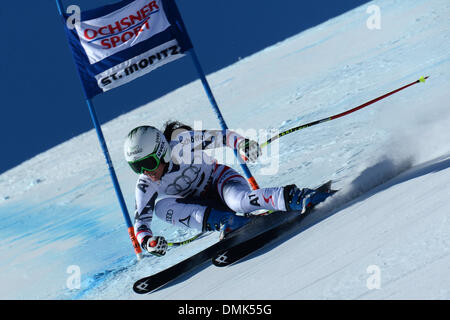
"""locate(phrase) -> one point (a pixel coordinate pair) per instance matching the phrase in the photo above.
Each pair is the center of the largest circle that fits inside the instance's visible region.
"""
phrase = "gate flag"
(115, 44)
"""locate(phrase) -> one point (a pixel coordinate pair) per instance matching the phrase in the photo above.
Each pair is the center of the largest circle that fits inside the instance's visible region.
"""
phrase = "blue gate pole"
(112, 172)
(212, 100)
(216, 109)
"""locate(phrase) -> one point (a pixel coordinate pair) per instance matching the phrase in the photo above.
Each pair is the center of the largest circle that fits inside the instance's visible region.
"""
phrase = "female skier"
(192, 189)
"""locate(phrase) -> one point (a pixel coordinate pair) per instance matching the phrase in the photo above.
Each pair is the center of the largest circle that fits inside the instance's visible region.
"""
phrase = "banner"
(116, 44)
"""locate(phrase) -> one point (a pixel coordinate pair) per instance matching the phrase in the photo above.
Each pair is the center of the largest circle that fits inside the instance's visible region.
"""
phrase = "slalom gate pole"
(313, 123)
(101, 139)
(112, 173)
(224, 126)
(251, 180)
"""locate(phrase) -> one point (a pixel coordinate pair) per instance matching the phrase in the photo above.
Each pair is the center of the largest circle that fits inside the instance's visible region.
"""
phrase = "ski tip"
(140, 287)
(326, 185)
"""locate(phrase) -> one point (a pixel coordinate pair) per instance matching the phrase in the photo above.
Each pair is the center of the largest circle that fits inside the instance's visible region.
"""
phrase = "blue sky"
(42, 100)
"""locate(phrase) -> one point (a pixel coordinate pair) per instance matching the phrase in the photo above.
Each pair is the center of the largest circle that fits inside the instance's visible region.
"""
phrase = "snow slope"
(388, 228)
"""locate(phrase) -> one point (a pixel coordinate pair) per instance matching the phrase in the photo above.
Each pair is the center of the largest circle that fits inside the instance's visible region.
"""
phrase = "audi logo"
(182, 183)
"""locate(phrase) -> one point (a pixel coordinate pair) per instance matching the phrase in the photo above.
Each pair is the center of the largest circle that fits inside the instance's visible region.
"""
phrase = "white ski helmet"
(145, 147)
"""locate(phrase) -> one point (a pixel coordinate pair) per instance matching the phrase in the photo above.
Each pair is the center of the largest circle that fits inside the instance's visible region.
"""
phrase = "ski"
(235, 253)
(166, 276)
(155, 281)
(260, 227)
(239, 251)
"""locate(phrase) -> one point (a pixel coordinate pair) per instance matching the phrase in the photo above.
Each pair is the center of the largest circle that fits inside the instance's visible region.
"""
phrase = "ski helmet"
(145, 147)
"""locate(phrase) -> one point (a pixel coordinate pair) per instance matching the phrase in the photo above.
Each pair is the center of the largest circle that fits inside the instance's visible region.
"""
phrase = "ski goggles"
(149, 163)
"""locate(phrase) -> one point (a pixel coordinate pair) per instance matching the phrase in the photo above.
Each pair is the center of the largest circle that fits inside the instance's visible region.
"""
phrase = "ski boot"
(303, 199)
(224, 221)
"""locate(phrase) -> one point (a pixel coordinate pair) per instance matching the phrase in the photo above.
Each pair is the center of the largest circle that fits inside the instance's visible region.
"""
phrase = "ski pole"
(187, 241)
(313, 123)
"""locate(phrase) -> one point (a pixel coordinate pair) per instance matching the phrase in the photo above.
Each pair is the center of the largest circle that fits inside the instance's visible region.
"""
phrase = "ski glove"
(249, 150)
(156, 245)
